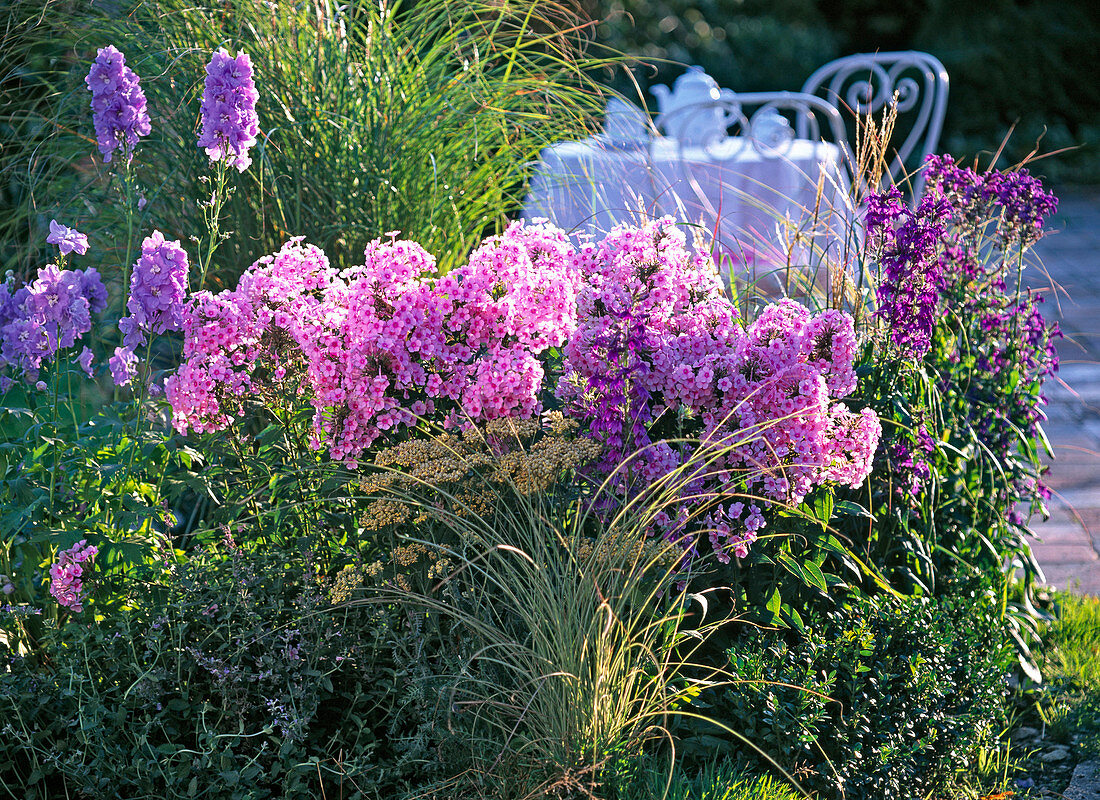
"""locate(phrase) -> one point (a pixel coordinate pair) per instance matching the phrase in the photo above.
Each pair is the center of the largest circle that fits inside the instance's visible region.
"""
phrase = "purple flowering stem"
(128, 194)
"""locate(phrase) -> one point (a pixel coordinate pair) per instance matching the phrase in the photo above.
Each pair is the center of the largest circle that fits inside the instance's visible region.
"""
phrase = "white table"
(738, 192)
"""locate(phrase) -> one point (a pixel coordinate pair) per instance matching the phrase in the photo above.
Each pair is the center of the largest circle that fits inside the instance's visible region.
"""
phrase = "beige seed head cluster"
(347, 580)
(471, 469)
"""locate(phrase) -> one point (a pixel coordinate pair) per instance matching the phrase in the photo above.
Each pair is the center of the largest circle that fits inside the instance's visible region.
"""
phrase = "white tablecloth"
(752, 200)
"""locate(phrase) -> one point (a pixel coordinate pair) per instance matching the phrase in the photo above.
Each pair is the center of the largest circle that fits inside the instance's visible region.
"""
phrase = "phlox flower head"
(380, 345)
(659, 344)
(68, 572)
(119, 108)
(229, 121)
(68, 240)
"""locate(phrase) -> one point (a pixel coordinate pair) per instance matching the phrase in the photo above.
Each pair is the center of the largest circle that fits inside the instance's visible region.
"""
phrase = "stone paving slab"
(1060, 533)
(1086, 782)
(1070, 262)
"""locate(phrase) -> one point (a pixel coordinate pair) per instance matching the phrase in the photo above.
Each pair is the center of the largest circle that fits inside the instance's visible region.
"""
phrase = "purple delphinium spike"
(904, 242)
(118, 104)
(52, 312)
(158, 289)
(229, 121)
(68, 240)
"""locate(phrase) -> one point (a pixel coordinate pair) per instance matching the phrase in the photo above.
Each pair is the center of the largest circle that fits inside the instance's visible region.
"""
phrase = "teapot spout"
(662, 93)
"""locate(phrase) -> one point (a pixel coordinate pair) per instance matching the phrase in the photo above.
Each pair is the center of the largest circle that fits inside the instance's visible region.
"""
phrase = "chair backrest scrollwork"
(867, 83)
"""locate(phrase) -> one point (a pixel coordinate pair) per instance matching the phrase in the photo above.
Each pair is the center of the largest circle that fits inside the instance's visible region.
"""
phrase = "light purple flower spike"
(229, 121)
(118, 104)
(158, 288)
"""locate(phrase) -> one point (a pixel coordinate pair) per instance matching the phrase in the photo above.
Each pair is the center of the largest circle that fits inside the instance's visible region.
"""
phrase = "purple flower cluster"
(908, 458)
(1014, 202)
(906, 245)
(67, 574)
(118, 104)
(657, 340)
(229, 121)
(158, 288)
(158, 291)
(49, 314)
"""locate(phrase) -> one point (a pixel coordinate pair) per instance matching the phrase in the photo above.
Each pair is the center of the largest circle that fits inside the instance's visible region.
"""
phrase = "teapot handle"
(732, 113)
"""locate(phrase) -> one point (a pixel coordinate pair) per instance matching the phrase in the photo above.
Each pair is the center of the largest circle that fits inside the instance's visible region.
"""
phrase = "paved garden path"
(1069, 543)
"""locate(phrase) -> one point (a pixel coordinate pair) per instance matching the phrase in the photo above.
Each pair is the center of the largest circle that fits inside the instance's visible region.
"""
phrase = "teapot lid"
(696, 78)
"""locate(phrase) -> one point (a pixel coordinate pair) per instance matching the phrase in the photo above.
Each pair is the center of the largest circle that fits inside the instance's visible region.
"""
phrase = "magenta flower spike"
(118, 104)
(229, 121)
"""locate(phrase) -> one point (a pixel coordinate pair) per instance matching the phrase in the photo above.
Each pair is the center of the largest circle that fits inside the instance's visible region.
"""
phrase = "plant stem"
(212, 213)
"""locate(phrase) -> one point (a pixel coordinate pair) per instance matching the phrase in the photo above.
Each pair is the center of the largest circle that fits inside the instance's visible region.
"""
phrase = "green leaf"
(775, 601)
(849, 509)
(816, 577)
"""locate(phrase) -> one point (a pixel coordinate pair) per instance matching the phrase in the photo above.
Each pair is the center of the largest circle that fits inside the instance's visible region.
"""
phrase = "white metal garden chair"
(866, 83)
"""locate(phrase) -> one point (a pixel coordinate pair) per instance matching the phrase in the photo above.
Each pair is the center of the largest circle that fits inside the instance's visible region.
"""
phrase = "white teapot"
(684, 112)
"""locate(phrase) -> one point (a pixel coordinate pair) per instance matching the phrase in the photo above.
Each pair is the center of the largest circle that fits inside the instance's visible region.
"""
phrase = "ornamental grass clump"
(576, 651)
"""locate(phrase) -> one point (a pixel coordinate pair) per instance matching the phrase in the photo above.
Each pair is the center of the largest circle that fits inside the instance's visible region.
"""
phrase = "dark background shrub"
(1027, 63)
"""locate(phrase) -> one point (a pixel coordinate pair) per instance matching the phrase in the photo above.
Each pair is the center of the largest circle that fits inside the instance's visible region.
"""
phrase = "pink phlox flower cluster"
(119, 108)
(68, 573)
(158, 290)
(51, 313)
(646, 305)
(229, 121)
(399, 345)
(364, 348)
(658, 341)
(238, 342)
(379, 346)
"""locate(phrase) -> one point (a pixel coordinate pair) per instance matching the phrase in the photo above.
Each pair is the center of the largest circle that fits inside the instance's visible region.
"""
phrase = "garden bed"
(323, 478)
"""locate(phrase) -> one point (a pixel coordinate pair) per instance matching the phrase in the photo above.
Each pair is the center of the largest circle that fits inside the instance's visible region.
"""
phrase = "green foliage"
(235, 678)
(886, 698)
(1067, 704)
(1072, 641)
(721, 780)
(1025, 64)
(67, 474)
